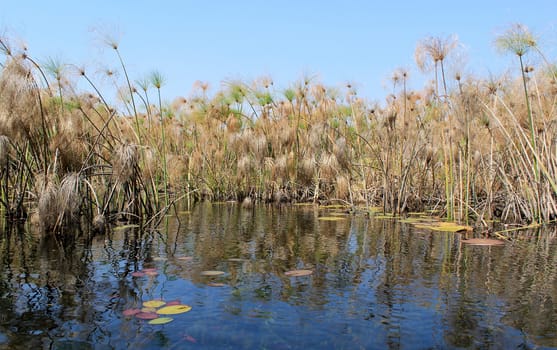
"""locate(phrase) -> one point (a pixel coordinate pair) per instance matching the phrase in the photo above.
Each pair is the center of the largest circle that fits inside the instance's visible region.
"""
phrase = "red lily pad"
(130, 312)
(173, 302)
(147, 315)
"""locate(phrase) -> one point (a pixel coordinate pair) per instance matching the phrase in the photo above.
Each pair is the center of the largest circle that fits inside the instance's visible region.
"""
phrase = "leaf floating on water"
(333, 206)
(148, 309)
(330, 218)
(149, 269)
(147, 315)
(161, 320)
(124, 227)
(483, 241)
(138, 274)
(154, 303)
(215, 284)
(298, 273)
(130, 312)
(173, 309)
(151, 273)
(440, 225)
(173, 302)
(212, 273)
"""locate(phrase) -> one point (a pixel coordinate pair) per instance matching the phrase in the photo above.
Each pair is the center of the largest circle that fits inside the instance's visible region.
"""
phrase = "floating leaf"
(161, 320)
(149, 269)
(212, 273)
(124, 227)
(173, 309)
(215, 284)
(130, 312)
(383, 217)
(173, 302)
(148, 309)
(298, 273)
(151, 273)
(444, 226)
(483, 241)
(154, 303)
(138, 274)
(147, 315)
(333, 206)
(330, 218)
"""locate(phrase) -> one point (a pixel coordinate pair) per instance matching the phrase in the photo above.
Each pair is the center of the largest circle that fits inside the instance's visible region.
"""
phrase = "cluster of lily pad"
(157, 311)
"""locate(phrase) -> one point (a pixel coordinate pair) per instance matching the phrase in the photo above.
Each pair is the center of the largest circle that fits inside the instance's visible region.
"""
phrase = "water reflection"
(375, 284)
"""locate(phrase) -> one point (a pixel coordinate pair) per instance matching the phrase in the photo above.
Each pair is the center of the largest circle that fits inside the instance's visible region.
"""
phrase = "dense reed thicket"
(474, 148)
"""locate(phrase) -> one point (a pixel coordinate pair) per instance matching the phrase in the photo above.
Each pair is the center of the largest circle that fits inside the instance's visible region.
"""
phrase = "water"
(376, 284)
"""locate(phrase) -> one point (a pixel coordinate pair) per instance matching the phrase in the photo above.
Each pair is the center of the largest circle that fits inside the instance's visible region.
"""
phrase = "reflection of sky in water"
(375, 284)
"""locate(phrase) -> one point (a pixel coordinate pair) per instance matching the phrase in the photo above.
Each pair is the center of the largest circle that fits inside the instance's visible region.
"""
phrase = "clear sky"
(355, 41)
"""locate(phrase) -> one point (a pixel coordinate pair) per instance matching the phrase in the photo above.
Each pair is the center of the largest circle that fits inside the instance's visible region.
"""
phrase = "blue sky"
(361, 42)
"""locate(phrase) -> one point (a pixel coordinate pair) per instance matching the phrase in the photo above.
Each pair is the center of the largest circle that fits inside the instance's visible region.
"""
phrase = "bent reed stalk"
(484, 149)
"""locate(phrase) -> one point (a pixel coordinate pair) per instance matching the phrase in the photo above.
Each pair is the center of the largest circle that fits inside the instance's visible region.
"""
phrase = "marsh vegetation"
(474, 148)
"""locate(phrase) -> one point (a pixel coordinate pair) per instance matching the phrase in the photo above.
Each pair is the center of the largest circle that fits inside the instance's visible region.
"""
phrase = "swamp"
(260, 217)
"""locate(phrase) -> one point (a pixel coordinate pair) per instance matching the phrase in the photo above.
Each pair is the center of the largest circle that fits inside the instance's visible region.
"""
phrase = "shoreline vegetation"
(475, 149)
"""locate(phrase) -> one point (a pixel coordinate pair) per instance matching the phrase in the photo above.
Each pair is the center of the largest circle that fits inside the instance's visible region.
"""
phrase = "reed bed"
(475, 149)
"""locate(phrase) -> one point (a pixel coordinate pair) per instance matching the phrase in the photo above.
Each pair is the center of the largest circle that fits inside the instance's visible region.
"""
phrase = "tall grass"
(476, 148)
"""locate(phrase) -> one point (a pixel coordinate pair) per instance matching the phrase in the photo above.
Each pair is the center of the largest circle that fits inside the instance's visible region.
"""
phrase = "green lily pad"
(212, 273)
(161, 320)
(330, 218)
(173, 309)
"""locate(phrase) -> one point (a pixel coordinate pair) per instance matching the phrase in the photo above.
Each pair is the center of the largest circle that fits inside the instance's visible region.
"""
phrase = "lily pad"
(173, 302)
(148, 309)
(237, 260)
(333, 206)
(151, 273)
(483, 242)
(147, 315)
(444, 226)
(330, 218)
(173, 309)
(298, 273)
(211, 273)
(216, 284)
(161, 320)
(138, 274)
(124, 227)
(154, 303)
(131, 312)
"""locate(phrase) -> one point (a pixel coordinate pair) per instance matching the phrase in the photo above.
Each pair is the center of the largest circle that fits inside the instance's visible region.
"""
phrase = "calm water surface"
(376, 284)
